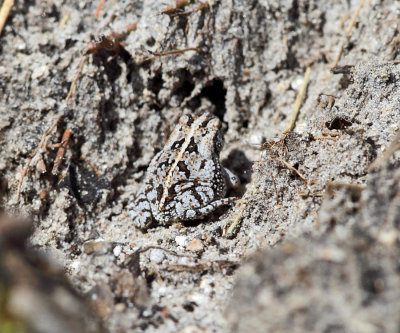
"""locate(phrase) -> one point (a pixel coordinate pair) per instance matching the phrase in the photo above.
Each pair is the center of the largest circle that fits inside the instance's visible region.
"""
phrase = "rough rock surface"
(313, 189)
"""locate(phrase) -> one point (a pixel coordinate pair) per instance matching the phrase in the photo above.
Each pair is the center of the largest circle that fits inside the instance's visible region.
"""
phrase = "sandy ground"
(313, 244)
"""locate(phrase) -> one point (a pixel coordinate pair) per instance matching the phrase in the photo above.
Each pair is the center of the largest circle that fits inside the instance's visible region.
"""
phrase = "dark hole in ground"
(185, 85)
(150, 42)
(241, 166)
(103, 58)
(182, 23)
(338, 124)
(216, 93)
(156, 83)
(294, 12)
(372, 280)
(189, 306)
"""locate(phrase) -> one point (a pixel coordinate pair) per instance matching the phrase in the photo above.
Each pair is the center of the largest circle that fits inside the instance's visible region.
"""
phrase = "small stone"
(41, 166)
(120, 307)
(388, 237)
(195, 245)
(96, 246)
(256, 139)
(191, 329)
(117, 250)
(181, 240)
(40, 71)
(157, 256)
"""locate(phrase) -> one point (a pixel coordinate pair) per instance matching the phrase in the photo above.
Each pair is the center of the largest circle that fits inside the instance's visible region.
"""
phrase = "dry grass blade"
(99, 8)
(172, 52)
(299, 101)
(200, 267)
(4, 12)
(72, 88)
(40, 146)
(348, 33)
(287, 165)
(227, 232)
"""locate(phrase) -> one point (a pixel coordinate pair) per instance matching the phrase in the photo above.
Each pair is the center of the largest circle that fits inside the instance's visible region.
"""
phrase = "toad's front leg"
(140, 212)
(201, 212)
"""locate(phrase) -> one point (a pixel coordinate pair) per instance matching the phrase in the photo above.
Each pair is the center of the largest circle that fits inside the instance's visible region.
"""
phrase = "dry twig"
(299, 100)
(287, 165)
(235, 222)
(177, 51)
(72, 87)
(348, 33)
(99, 8)
(178, 5)
(84, 158)
(64, 19)
(201, 6)
(40, 146)
(150, 247)
(61, 151)
(218, 264)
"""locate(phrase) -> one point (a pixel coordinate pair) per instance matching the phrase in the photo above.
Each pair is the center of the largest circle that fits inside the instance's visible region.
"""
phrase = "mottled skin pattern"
(185, 180)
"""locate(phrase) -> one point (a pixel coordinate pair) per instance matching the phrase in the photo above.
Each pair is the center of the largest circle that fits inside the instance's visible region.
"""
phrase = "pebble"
(256, 139)
(157, 256)
(120, 307)
(191, 329)
(195, 245)
(388, 237)
(40, 71)
(117, 250)
(96, 246)
(181, 240)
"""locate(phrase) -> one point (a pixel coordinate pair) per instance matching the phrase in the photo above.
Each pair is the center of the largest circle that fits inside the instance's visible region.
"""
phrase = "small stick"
(332, 186)
(307, 195)
(299, 100)
(220, 264)
(84, 158)
(348, 33)
(276, 190)
(330, 133)
(72, 88)
(287, 165)
(150, 247)
(172, 8)
(177, 51)
(99, 8)
(4, 12)
(40, 146)
(394, 146)
(61, 151)
(346, 69)
(64, 20)
(200, 7)
(239, 215)
(110, 42)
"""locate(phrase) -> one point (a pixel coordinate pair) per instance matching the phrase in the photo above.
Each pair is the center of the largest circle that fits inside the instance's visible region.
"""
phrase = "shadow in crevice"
(215, 92)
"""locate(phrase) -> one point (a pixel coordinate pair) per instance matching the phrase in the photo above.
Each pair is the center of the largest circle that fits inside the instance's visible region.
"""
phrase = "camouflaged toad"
(185, 180)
